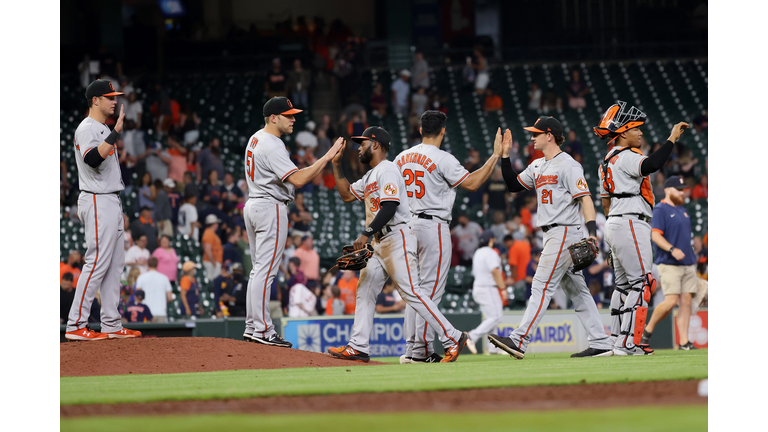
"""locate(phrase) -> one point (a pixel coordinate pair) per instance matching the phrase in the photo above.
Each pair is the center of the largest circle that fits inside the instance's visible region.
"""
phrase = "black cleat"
(434, 358)
(593, 352)
(506, 344)
(687, 347)
(274, 340)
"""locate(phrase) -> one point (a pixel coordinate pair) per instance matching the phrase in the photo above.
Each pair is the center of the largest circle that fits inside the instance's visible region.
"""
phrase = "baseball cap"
(212, 219)
(234, 267)
(486, 236)
(405, 72)
(189, 265)
(140, 293)
(675, 182)
(169, 182)
(279, 105)
(374, 133)
(101, 88)
(546, 124)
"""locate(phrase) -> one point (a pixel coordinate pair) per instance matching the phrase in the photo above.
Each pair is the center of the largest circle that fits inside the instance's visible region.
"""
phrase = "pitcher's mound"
(184, 354)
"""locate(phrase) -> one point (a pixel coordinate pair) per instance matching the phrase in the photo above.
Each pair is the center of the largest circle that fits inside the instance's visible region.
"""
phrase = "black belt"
(104, 193)
(424, 216)
(642, 217)
(546, 228)
(384, 231)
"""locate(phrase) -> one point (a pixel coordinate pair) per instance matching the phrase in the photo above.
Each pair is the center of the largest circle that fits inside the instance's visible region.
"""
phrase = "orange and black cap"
(374, 133)
(279, 105)
(101, 88)
(547, 124)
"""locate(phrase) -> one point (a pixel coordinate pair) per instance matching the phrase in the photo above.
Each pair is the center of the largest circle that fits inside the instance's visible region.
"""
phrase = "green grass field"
(468, 372)
(605, 420)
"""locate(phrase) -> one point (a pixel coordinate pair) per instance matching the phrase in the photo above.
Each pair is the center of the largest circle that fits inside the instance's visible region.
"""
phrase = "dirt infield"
(184, 354)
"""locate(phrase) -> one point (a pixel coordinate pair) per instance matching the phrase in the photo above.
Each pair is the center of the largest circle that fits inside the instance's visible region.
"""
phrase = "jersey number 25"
(412, 177)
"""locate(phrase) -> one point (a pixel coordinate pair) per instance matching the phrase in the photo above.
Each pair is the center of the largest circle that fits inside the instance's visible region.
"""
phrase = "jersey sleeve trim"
(522, 182)
(658, 231)
(288, 174)
(640, 167)
(460, 181)
(86, 152)
(582, 194)
(353, 193)
(389, 199)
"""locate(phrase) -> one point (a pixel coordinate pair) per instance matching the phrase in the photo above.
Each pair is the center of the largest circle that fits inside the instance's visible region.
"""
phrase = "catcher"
(560, 187)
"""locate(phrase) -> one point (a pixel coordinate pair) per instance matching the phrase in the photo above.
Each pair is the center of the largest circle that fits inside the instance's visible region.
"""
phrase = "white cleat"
(405, 360)
(471, 346)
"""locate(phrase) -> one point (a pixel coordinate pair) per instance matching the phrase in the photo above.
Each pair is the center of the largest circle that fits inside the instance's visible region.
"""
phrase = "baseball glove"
(354, 259)
(583, 253)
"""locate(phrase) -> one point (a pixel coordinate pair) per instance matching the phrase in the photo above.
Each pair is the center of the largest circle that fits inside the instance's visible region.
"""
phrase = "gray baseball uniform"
(267, 166)
(101, 212)
(486, 292)
(394, 257)
(558, 183)
(628, 233)
(431, 176)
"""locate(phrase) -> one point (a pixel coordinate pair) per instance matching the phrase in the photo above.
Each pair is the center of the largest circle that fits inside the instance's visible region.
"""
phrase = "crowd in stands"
(184, 190)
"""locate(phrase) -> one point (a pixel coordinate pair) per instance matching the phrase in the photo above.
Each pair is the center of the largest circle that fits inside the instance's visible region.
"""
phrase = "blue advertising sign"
(317, 334)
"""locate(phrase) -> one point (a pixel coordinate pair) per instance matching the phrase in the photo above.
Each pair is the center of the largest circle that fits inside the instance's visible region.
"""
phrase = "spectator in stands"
(327, 126)
(527, 212)
(551, 102)
(167, 260)
(233, 296)
(277, 81)
(147, 192)
(66, 296)
(291, 245)
(299, 81)
(133, 111)
(576, 91)
(701, 190)
(335, 305)
(533, 264)
(190, 291)
(213, 253)
(157, 161)
(519, 256)
(388, 301)
(231, 253)
(496, 196)
(468, 233)
(323, 142)
(347, 284)
(146, 226)
(701, 122)
(480, 65)
(158, 290)
(178, 156)
(658, 185)
(210, 159)
(138, 255)
(212, 190)
(72, 266)
(687, 164)
(414, 123)
(214, 207)
(174, 199)
(698, 248)
(294, 275)
(310, 261)
(138, 311)
(356, 125)
(419, 101)
(401, 91)
(128, 288)
(301, 301)
(187, 222)
(534, 97)
(573, 146)
(499, 226)
(307, 142)
(420, 71)
(493, 102)
(231, 193)
(187, 127)
(300, 217)
(378, 101)
(163, 214)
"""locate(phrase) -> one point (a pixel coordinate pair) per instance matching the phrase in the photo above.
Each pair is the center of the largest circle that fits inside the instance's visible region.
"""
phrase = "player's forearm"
(606, 205)
(657, 159)
(498, 278)
(589, 214)
(510, 176)
(660, 241)
(342, 185)
(305, 175)
(477, 178)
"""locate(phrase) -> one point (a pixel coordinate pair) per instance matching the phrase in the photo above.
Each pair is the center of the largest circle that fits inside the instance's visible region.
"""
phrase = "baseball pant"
(395, 257)
(489, 299)
(212, 269)
(433, 249)
(554, 268)
(102, 217)
(266, 223)
(630, 241)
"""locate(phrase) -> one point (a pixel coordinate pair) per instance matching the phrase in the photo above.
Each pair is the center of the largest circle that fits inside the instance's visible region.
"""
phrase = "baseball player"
(382, 189)
(488, 289)
(100, 210)
(271, 178)
(628, 201)
(431, 177)
(560, 188)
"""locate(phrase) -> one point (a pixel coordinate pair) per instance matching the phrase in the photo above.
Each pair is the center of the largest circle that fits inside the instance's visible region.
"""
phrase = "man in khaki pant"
(675, 259)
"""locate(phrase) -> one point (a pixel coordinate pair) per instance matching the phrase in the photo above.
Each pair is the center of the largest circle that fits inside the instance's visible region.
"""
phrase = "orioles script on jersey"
(546, 180)
(373, 187)
(417, 158)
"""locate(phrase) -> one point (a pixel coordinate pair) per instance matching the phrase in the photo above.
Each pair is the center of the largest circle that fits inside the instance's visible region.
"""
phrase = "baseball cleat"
(248, 337)
(687, 347)
(274, 340)
(471, 346)
(646, 338)
(506, 344)
(637, 350)
(348, 353)
(124, 334)
(452, 353)
(434, 358)
(405, 360)
(85, 334)
(593, 352)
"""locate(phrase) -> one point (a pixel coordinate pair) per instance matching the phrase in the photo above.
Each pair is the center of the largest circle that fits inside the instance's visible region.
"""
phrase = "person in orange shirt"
(213, 252)
(519, 256)
(701, 190)
(492, 102)
(69, 266)
(526, 213)
(348, 286)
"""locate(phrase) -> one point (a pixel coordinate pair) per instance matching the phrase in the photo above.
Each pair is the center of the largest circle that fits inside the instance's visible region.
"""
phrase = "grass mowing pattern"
(470, 371)
(643, 419)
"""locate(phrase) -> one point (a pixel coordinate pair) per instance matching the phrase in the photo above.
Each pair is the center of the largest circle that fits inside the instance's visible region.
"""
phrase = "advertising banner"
(317, 334)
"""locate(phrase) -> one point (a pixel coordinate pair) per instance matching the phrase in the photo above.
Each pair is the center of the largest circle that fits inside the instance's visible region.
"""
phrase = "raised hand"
(506, 144)
(337, 151)
(497, 143)
(677, 130)
(119, 124)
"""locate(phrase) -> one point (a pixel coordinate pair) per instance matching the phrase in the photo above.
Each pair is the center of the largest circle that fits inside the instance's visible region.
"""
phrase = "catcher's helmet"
(617, 120)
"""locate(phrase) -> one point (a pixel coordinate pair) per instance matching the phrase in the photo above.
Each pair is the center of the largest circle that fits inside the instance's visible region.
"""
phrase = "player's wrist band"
(112, 138)
(670, 249)
(592, 228)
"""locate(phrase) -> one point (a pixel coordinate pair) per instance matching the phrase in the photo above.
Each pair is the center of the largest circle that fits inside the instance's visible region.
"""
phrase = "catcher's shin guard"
(649, 287)
(616, 304)
(641, 313)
